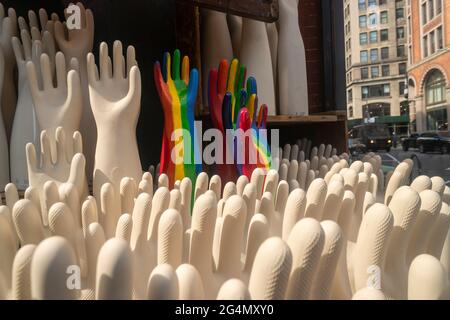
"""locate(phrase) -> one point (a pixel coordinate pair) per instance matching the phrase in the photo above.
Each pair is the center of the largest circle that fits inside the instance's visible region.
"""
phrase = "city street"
(431, 164)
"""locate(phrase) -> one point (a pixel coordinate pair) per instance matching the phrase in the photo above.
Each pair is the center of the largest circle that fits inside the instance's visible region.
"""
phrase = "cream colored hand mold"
(115, 97)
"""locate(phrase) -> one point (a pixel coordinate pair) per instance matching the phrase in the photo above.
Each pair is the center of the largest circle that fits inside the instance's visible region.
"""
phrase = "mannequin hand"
(120, 92)
(235, 84)
(217, 90)
(40, 25)
(220, 108)
(178, 96)
(78, 42)
(43, 32)
(115, 96)
(8, 30)
(59, 106)
(25, 50)
(67, 167)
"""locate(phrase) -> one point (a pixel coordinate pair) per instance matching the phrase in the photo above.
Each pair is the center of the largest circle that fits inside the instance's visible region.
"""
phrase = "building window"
(435, 88)
(386, 89)
(373, 36)
(438, 6)
(402, 68)
(364, 58)
(364, 73)
(432, 43)
(375, 72)
(424, 13)
(373, 55)
(400, 33)
(362, 4)
(384, 17)
(409, 30)
(350, 112)
(377, 110)
(365, 92)
(385, 53)
(401, 88)
(400, 51)
(372, 3)
(430, 9)
(435, 101)
(372, 20)
(384, 35)
(362, 21)
(425, 46)
(440, 43)
(375, 91)
(399, 13)
(349, 96)
(385, 71)
(382, 2)
(363, 38)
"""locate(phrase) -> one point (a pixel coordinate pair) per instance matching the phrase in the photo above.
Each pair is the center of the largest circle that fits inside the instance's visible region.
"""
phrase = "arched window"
(435, 88)
(435, 101)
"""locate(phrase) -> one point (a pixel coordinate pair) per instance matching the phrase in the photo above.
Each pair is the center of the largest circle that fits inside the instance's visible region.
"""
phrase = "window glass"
(373, 36)
(435, 88)
(362, 4)
(372, 20)
(362, 21)
(364, 56)
(439, 38)
(364, 73)
(363, 38)
(384, 35)
(374, 55)
(424, 13)
(402, 68)
(385, 53)
(400, 51)
(384, 17)
(375, 72)
(438, 6)
(400, 33)
(401, 87)
(425, 46)
(432, 43)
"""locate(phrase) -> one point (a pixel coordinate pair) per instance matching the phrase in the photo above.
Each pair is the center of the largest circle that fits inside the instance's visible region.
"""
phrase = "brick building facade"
(429, 64)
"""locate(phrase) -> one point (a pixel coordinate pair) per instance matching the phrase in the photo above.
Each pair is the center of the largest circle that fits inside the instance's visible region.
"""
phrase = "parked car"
(373, 136)
(434, 141)
(410, 142)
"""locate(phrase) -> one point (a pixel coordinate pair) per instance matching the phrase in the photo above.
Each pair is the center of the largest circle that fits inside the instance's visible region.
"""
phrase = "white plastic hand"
(115, 100)
(42, 29)
(76, 43)
(25, 128)
(4, 156)
(59, 106)
(8, 29)
(42, 24)
(64, 169)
